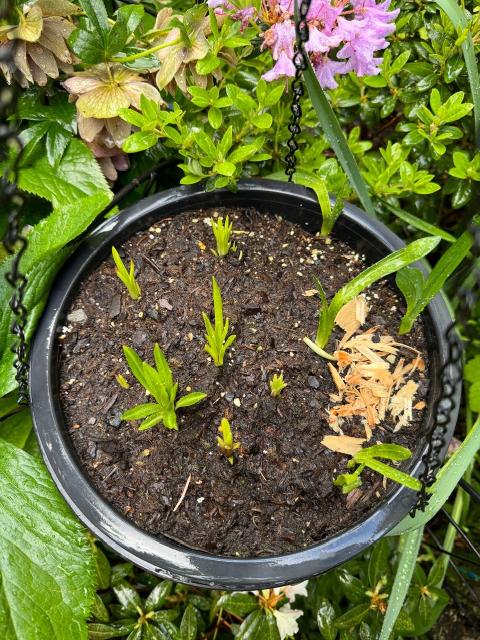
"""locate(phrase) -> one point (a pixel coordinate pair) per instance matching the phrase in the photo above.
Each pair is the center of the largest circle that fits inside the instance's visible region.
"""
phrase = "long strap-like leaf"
(448, 478)
(406, 564)
(328, 121)
(459, 20)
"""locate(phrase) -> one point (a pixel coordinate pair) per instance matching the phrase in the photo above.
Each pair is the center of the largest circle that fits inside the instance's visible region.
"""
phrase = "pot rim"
(159, 554)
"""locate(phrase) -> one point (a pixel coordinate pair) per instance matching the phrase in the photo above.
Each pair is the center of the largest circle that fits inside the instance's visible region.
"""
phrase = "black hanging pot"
(160, 554)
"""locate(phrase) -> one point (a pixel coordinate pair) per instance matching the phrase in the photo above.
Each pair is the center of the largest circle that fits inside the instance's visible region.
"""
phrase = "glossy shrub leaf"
(325, 620)
(378, 566)
(459, 18)
(419, 291)
(158, 596)
(188, 625)
(102, 631)
(239, 603)
(57, 572)
(410, 544)
(334, 134)
(353, 617)
(251, 627)
(127, 596)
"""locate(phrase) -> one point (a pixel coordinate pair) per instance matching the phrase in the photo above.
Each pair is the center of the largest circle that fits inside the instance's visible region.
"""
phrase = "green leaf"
(77, 175)
(139, 141)
(353, 617)
(378, 563)
(225, 168)
(97, 14)
(188, 625)
(420, 224)
(263, 121)
(101, 631)
(239, 603)
(40, 263)
(141, 411)
(99, 611)
(460, 20)
(56, 142)
(334, 134)
(325, 619)
(46, 565)
(190, 399)
(89, 46)
(127, 596)
(444, 268)
(16, 428)
(251, 627)
(158, 596)
(215, 117)
(447, 479)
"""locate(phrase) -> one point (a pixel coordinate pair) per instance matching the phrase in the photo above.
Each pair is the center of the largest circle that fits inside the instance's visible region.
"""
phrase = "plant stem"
(146, 52)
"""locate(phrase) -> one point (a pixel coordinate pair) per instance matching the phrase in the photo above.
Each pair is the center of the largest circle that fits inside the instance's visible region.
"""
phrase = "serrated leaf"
(40, 263)
(53, 564)
(77, 175)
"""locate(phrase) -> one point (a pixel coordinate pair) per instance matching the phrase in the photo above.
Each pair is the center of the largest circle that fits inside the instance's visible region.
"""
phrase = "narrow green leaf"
(190, 399)
(189, 625)
(447, 479)
(460, 20)
(334, 134)
(420, 224)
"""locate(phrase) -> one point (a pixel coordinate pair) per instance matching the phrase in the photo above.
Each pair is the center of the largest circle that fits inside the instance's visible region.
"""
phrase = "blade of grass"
(420, 224)
(410, 545)
(447, 479)
(330, 125)
(459, 20)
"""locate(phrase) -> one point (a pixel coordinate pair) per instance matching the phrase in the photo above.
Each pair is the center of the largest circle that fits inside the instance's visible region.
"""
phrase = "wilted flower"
(184, 45)
(100, 93)
(35, 49)
(285, 617)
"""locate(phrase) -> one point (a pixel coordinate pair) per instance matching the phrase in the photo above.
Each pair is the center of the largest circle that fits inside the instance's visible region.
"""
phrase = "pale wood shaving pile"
(371, 378)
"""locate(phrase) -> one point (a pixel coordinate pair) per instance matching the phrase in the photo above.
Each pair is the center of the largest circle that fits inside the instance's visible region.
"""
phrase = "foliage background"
(411, 130)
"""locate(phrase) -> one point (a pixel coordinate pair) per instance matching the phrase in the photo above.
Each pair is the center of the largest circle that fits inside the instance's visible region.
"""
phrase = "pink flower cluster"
(345, 35)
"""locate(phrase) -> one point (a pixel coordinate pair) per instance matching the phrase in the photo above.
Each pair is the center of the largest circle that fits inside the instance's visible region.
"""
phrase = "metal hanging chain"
(300, 60)
(11, 201)
(451, 373)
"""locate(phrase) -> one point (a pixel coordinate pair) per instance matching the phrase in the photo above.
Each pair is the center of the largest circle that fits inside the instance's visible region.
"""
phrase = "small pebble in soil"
(79, 316)
(313, 382)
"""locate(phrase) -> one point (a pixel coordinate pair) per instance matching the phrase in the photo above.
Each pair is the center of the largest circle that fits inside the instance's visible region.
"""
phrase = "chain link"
(300, 60)
(451, 374)
(11, 201)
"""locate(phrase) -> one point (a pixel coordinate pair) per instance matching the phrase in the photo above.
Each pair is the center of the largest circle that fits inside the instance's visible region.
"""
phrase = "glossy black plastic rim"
(159, 554)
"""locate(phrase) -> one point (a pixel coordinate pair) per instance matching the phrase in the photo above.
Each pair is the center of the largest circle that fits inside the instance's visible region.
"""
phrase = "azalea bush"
(108, 92)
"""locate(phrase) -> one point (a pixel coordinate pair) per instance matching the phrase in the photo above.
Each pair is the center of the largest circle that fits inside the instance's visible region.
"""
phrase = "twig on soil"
(184, 492)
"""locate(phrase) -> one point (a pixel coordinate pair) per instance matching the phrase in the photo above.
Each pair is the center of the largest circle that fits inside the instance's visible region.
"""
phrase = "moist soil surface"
(278, 495)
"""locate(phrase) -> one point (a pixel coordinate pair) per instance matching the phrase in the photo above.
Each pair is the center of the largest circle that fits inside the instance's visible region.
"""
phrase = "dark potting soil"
(278, 495)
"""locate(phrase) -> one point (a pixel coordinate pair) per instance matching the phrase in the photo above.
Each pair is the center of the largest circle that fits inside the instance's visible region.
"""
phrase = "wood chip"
(309, 293)
(401, 404)
(343, 444)
(352, 316)
(339, 383)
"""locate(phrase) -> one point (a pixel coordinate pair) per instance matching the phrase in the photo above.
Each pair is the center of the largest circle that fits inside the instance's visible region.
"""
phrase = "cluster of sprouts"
(160, 386)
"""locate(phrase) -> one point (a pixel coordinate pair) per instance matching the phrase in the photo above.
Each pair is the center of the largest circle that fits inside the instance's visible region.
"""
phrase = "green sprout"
(159, 384)
(277, 384)
(390, 264)
(127, 277)
(217, 340)
(369, 458)
(225, 442)
(122, 381)
(222, 232)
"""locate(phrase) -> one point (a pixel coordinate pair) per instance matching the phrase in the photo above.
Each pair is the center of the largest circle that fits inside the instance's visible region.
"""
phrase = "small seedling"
(127, 277)
(122, 381)
(277, 384)
(225, 441)
(390, 264)
(217, 340)
(369, 458)
(222, 232)
(159, 384)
